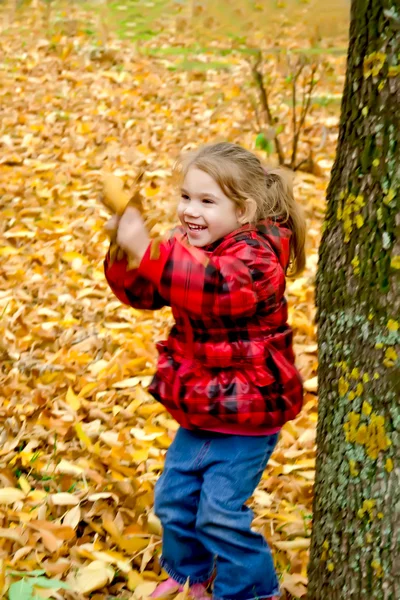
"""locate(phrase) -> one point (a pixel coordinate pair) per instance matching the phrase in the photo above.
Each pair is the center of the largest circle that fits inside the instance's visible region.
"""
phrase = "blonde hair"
(242, 177)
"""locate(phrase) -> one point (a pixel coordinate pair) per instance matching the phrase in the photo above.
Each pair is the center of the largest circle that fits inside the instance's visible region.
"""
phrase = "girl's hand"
(132, 234)
(112, 225)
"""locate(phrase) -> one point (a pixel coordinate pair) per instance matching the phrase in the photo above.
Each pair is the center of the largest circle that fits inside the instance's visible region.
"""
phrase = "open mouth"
(192, 227)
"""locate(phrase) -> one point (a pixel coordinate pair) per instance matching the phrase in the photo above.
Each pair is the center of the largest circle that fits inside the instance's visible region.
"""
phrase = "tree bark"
(355, 541)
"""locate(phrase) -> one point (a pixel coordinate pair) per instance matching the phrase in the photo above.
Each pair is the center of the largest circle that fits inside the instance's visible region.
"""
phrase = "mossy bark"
(355, 542)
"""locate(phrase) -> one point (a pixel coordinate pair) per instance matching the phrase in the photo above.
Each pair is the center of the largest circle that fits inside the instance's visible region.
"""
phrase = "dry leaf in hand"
(114, 197)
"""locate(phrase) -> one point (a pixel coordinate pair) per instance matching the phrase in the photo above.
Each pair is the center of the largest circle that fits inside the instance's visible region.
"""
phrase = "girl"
(226, 372)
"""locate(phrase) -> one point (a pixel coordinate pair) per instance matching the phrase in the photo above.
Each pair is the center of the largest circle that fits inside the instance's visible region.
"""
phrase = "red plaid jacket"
(228, 361)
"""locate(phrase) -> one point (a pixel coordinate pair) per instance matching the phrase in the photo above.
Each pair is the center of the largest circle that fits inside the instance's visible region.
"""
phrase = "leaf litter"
(82, 441)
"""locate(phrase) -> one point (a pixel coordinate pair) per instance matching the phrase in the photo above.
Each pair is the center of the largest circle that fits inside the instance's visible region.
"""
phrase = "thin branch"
(296, 132)
(294, 90)
(300, 164)
(305, 107)
(258, 78)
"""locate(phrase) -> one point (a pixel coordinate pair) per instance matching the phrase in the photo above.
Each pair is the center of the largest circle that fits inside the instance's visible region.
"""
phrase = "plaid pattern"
(229, 358)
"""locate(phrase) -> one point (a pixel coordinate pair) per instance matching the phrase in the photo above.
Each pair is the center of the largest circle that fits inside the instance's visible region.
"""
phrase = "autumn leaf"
(114, 196)
(93, 577)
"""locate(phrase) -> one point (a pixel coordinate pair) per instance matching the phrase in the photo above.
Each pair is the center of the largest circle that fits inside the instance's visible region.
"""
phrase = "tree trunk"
(355, 541)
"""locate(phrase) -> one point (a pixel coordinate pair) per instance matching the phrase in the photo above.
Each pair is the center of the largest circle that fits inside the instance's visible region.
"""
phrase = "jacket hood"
(278, 236)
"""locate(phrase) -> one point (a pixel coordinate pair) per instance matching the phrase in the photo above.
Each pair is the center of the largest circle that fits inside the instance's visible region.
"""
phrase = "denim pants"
(200, 500)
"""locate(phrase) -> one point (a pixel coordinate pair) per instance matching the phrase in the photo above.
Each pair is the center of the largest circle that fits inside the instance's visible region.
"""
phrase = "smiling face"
(206, 214)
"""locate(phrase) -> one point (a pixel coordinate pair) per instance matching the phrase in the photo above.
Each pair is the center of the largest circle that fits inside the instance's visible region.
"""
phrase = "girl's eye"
(207, 201)
(185, 197)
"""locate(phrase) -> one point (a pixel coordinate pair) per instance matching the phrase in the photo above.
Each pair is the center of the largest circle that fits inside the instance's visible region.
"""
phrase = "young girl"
(226, 372)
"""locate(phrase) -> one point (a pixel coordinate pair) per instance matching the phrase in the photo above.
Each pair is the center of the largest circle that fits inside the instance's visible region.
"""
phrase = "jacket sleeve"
(227, 285)
(130, 287)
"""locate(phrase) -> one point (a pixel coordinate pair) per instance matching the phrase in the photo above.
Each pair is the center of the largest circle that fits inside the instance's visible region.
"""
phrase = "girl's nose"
(191, 211)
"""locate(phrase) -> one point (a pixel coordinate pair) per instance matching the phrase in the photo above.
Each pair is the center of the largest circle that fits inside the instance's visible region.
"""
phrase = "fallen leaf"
(72, 517)
(95, 576)
(299, 544)
(311, 385)
(64, 499)
(10, 495)
(72, 399)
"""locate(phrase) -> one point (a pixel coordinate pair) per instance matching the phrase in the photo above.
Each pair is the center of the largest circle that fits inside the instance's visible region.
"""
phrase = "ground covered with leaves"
(82, 443)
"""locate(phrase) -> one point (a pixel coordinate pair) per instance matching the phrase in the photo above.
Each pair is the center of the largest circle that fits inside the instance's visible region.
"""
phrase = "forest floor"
(82, 443)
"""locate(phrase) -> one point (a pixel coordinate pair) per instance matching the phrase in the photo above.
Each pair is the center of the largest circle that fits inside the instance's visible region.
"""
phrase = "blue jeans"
(200, 500)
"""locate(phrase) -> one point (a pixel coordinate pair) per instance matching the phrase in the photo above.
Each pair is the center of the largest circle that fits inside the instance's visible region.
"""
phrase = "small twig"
(305, 107)
(296, 130)
(300, 164)
(150, 546)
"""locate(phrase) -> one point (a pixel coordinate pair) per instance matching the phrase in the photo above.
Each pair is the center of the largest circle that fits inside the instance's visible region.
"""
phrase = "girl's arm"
(232, 284)
(131, 287)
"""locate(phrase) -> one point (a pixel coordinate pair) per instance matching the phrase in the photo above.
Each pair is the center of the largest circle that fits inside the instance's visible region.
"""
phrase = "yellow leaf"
(69, 257)
(295, 584)
(126, 383)
(8, 251)
(12, 534)
(101, 496)
(72, 517)
(9, 495)
(311, 385)
(88, 388)
(85, 439)
(141, 455)
(24, 485)
(64, 499)
(67, 468)
(136, 363)
(150, 191)
(133, 544)
(93, 577)
(129, 544)
(154, 524)
(97, 367)
(144, 590)
(72, 399)
(143, 436)
(36, 496)
(114, 196)
(113, 558)
(298, 544)
(134, 579)
(308, 463)
(111, 439)
(2, 578)
(262, 498)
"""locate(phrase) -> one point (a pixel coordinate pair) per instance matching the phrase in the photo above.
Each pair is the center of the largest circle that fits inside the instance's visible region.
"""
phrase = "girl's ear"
(247, 213)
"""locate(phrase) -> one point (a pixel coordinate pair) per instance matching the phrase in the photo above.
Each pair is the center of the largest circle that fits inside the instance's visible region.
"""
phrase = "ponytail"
(281, 205)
